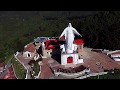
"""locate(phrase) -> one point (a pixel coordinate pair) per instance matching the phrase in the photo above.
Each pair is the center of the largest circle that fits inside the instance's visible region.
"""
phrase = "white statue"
(69, 33)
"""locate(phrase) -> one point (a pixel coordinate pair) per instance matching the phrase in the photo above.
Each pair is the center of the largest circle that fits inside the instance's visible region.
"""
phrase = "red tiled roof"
(46, 72)
(7, 76)
(1, 65)
(78, 41)
(30, 47)
(22, 59)
(10, 69)
(49, 44)
(10, 74)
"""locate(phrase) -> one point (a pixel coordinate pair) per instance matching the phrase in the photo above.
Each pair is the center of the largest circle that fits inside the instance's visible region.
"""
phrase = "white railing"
(16, 53)
(71, 74)
(27, 74)
(113, 52)
(92, 74)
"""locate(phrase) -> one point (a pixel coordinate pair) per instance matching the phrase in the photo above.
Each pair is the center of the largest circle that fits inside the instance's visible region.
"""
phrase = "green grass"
(36, 66)
(19, 69)
(36, 69)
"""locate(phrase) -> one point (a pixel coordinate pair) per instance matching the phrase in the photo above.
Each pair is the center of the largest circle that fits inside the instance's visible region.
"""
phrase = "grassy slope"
(19, 69)
(13, 28)
(14, 24)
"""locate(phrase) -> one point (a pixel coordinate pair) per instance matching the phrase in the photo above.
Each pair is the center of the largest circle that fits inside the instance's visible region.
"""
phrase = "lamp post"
(98, 65)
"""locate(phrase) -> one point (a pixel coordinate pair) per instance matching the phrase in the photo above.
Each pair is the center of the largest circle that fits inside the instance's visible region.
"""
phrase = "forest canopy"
(99, 30)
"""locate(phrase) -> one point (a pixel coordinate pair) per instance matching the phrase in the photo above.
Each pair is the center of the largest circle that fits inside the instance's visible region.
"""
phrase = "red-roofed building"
(50, 44)
(29, 51)
(80, 44)
(9, 76)
(2, 67)
(78, 41)
(11, 70)
(10, 73)
(50, 47)
(30, 48)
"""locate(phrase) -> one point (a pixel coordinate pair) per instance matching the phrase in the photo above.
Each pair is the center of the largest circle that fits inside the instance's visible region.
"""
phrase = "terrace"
(72, 72)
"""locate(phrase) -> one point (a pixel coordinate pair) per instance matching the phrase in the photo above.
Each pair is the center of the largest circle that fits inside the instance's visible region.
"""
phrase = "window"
(45, 43)
(28, 55)
(70, 60)
(50, 53)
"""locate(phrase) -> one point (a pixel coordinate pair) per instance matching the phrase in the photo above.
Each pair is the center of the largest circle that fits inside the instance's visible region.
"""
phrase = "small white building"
(30, 52)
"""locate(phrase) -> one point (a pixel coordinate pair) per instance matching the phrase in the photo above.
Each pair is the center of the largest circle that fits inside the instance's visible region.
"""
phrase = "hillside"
(46, 14)
(99, 29)
(14, 24)
(20, 27)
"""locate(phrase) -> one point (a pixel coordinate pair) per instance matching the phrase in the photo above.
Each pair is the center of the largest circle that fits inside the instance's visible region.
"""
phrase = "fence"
(92, 74)
(71, 75)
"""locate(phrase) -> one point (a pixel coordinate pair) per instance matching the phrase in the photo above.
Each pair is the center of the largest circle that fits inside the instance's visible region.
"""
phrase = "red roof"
(30, 47)
(2, 65)
(49, 44)
(78, 41)
(10, 74)
(10, 69)
(7, 76)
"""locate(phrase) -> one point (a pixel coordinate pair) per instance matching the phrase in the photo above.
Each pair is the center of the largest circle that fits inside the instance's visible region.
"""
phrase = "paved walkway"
(90, 58)
(25, 62)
